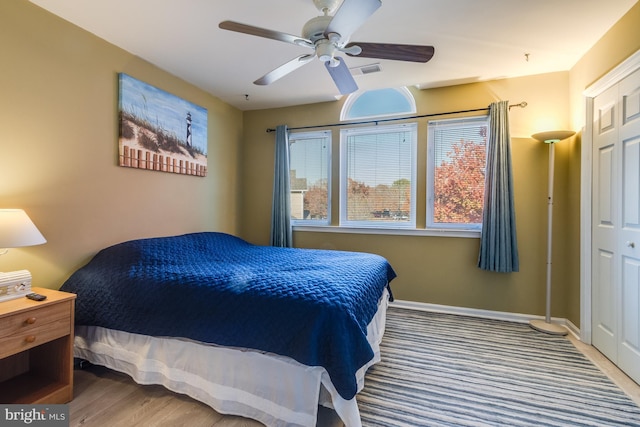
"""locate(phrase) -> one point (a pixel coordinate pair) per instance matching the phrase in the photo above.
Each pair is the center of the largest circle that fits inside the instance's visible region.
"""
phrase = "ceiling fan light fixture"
(325, 50)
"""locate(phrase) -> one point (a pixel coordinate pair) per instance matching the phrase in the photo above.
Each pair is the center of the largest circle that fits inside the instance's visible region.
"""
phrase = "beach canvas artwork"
(160, 131)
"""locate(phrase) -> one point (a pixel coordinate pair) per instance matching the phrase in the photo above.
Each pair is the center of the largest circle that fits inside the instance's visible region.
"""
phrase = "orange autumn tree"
(382, 202)
(315, 200)
(459, 184)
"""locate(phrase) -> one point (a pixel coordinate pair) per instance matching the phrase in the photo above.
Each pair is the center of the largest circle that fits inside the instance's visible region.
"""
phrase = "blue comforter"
(310, 305)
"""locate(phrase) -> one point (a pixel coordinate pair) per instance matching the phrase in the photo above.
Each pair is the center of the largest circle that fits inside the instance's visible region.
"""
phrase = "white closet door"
(616, 225)
(629, 242)
(604, 291)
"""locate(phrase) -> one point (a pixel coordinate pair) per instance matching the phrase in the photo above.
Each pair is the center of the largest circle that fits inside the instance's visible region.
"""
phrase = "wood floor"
(630, 387)
(103, 397)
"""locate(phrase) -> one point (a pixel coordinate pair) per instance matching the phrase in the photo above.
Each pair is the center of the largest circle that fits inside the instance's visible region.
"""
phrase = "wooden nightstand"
(36, 348)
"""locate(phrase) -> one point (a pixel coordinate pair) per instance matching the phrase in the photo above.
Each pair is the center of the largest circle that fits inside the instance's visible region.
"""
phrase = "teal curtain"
(498, 243)
(281, 234)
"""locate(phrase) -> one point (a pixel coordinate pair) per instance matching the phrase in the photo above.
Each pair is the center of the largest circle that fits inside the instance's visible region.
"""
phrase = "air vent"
(366, 69)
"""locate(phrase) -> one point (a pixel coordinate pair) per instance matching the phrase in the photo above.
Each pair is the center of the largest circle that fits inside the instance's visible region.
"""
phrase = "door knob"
(631, 244)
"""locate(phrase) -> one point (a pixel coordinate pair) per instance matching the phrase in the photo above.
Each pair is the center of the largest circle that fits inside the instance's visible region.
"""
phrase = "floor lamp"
(550, 138)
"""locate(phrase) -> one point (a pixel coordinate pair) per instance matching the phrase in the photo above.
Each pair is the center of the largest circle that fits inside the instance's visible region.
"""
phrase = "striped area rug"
(448, 370)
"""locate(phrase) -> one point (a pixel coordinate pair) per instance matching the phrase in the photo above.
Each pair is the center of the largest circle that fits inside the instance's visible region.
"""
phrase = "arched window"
(378, 163)
(378, 103)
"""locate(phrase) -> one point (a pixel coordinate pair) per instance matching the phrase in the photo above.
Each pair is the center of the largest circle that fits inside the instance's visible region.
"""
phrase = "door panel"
(630, 183)
(629, 233)
(605, 202)
(604, 216)
(629, 350)
(630, 100)
(606, 319)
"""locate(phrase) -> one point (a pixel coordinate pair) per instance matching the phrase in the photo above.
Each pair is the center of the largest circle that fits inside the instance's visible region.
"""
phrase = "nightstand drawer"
(26, 329)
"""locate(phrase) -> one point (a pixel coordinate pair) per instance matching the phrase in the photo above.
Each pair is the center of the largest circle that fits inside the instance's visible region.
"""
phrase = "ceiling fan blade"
(350, 16)
(398, 52)
(342, 76)
(284, 69)
(262, 32)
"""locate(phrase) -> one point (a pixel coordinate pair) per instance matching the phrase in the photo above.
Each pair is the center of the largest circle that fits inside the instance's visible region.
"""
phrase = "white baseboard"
(486, 314)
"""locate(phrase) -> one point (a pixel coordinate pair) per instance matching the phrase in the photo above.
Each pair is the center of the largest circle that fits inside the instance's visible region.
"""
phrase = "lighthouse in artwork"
(188, 129)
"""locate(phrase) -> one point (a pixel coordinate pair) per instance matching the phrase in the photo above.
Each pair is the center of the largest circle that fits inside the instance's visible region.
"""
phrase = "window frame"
(344, 134)
(352, 99)
(297, 136)
(431, 167)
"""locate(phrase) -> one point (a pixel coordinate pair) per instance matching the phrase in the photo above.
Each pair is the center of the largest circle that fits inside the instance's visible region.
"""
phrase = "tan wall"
(436, 269)
(620, 42)
(58, 148)
(58, 161)
(442, 270)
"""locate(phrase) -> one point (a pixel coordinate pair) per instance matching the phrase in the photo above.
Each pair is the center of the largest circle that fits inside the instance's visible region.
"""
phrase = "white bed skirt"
(273, 389)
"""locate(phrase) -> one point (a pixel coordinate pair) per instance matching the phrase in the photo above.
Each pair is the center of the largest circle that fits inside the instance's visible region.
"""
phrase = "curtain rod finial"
(521, 105)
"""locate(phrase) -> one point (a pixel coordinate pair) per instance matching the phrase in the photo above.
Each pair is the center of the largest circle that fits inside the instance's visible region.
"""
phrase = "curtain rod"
(521, 105)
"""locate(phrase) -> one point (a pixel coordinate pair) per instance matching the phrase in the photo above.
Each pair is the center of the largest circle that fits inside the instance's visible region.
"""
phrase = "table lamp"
(16, 230)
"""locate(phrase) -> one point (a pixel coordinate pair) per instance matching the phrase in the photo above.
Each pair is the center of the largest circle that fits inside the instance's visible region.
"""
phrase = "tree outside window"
(309, 165)
(378, 170)
(457, 173)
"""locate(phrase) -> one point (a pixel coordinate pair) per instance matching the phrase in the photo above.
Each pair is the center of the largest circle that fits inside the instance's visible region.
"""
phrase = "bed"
(263, 332)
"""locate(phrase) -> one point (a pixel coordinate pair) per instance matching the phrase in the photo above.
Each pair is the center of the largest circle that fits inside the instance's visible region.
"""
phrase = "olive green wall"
(620, 42)
(439, 270)
(442, 270)
(59, 147)
(58, 161)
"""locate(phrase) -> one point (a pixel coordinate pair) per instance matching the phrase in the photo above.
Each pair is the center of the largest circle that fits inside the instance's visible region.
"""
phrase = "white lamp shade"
(553, 136)
(17, 229)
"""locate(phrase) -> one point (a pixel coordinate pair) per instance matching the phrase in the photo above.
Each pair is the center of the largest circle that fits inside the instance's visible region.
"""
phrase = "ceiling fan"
(328, 35)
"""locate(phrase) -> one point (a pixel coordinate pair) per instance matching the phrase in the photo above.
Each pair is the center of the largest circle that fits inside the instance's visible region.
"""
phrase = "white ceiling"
(474, 41)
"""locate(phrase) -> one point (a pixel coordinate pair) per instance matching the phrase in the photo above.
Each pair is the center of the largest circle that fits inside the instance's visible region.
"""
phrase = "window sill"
(475, 234)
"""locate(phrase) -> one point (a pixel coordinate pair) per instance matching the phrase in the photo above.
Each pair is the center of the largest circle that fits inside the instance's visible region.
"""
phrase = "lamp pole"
(547, 318)
(550, 138)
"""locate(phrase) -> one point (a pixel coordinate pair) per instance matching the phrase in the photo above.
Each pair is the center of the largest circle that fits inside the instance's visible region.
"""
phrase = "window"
(378, 171)
(456, 166)
(309, 161)
(378, 103)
